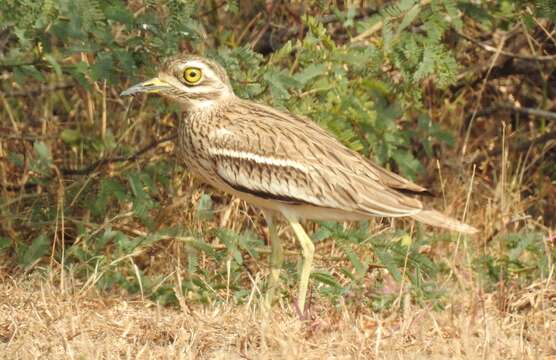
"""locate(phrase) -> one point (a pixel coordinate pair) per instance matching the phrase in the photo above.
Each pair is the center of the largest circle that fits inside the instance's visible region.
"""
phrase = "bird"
(281, 162)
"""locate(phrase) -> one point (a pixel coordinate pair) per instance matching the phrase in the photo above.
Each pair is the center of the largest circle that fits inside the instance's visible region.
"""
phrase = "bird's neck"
(202, 108)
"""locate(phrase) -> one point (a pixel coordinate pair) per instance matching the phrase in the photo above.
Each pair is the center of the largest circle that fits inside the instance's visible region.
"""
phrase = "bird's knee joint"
(308, 251)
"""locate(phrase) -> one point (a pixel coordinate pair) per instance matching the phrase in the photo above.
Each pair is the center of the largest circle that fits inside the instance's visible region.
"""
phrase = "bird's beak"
(153, 85)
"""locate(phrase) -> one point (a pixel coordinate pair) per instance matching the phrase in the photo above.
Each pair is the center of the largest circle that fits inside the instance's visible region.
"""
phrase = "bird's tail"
(435, 218)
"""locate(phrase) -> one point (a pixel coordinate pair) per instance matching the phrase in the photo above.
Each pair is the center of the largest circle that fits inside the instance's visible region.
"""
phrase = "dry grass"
(39, 320)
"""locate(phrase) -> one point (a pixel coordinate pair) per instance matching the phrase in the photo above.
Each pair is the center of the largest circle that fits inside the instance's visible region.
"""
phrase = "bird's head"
(195, 82)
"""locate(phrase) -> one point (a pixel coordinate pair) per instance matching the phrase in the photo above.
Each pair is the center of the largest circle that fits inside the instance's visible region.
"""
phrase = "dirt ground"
(38, 320)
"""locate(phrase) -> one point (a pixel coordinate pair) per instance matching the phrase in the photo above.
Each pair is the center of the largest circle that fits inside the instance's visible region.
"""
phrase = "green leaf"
(426, 67)
(103, 68)
(70, 136)
(230, 240)
(475, 12)
(249, 242)
(409, 166)
(23, 73)
(201, 246)
(360, 269)
(326, 278)
(79, 71)
(309, 73)
(54, 63)
(321, 234)
(42, 151)
(16, 159)
(125, 244)
(43, 162)
(204, 208)
(38, 248)
(404, 5)
(367, 23)
(232, 6)
(409, 17)
(107, 236)
(192, 260)
(142, 201)
(119, 13)
(279, 82)
(282, 53)
(388, 261)
(5, 243)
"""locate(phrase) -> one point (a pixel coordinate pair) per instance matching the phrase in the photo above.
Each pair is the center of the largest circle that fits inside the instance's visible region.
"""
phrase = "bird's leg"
(276, 259)
(308, 250)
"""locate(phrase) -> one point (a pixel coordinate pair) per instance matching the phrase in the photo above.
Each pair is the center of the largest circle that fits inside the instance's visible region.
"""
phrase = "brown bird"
(282, 162)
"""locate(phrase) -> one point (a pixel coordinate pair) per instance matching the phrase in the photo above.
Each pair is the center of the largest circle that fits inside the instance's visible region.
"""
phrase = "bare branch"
(521, 146)
(94, 166)
(39, 90)
(493, 49)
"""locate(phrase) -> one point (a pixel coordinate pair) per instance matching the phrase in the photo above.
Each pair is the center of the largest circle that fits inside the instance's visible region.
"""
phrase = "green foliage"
(523, 259)
(204, 208)
(38, 248)
(54, 35)
(43, 160)
(397, 252)
(367, 90)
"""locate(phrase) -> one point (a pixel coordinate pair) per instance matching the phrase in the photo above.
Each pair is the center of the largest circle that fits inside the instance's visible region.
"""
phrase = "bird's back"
(271, 154)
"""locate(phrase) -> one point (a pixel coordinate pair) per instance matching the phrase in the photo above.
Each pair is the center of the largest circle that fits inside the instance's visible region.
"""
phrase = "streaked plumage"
(277, 160)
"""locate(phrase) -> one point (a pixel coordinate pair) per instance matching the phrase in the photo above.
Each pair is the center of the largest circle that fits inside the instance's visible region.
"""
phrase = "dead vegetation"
(40, 320)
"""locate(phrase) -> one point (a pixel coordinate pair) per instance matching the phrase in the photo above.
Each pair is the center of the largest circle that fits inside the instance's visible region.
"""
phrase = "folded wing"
(261, 151)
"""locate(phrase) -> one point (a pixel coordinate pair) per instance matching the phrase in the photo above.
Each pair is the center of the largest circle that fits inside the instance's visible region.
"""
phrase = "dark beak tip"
(131, 91)
(126, 93)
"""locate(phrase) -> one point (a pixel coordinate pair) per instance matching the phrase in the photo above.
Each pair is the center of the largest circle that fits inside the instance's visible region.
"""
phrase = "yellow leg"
(276, 259)
(308, 250)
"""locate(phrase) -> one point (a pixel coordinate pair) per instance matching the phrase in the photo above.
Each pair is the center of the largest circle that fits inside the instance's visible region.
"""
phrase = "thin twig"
(378, 26)
(529, 111)
(263, 30)
(516, 109)
(39, 90)
(103, 162)
(493, 49)
(94, 166)
(481, 91)
(215, 8)
(18, 64)
(7, 134)
(522, 146)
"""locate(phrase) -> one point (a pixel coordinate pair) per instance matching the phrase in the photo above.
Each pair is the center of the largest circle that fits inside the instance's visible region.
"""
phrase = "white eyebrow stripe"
(197, 64)
(259, 159)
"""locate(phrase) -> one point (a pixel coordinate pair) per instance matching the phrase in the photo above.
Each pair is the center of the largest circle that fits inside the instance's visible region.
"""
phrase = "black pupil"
(193, 74)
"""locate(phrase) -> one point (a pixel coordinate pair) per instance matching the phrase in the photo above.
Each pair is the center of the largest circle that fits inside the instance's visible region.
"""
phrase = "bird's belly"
(295, 211)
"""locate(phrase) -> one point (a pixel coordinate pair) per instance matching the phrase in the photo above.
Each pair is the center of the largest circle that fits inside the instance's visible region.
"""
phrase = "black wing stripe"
(266, 195)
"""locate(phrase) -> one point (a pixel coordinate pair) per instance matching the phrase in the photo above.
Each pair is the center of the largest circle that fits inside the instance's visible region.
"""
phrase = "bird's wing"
(271, 154)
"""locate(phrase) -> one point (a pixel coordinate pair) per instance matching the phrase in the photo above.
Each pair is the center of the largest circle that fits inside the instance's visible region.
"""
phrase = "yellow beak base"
(153, 85)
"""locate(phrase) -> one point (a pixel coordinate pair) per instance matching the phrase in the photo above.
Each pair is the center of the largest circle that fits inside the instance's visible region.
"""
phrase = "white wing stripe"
(260, 159)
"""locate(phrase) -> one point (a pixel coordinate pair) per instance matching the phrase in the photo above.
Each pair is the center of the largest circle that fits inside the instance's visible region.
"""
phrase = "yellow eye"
(192, 75)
